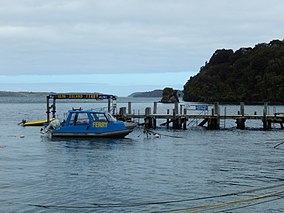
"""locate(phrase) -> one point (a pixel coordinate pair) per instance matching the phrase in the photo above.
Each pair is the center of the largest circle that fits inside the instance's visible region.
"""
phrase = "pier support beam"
(266, 122)
(241, 123)
(108, 105)
(214, 120)
(129, 108)
(155, 110)
(213, 123)
(281, 125)
(184, 119)
(168, 120)
(122, 113)
(177, 123)
(148, 119)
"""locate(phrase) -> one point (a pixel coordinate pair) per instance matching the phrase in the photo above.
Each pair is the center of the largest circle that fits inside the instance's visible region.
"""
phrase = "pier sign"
(77, 96)
(81, 96)
(201, 107)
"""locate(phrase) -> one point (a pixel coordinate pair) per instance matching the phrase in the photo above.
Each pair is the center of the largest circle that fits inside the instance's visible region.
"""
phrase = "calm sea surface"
(176, 172)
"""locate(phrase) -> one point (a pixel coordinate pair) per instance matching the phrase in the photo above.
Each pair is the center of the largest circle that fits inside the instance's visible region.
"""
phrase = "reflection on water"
(89, 143)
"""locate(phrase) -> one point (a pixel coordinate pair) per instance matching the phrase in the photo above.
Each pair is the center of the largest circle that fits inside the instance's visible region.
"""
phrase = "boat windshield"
(79, 119)
(98, 116)
(110, 117)
(102, 117)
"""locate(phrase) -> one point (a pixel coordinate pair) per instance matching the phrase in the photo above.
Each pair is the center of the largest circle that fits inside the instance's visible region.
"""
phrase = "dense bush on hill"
(170, 95)
(251, 75)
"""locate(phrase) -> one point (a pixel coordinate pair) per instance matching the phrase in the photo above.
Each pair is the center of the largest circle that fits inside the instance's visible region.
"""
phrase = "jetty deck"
(180, 116)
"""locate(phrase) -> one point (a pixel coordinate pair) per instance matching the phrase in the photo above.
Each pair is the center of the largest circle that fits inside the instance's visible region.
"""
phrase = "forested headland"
(250, 75)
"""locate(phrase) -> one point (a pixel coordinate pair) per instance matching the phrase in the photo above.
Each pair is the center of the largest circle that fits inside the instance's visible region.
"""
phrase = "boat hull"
(113, 134)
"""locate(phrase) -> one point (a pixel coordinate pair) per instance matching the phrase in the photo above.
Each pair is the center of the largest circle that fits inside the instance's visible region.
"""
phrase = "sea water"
(177, 171)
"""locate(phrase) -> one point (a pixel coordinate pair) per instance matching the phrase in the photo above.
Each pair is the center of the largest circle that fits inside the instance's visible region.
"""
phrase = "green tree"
(248, 74)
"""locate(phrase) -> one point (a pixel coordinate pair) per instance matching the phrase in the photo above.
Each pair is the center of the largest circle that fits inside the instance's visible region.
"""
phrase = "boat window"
(110, 117)
(79, 119)
(73, 119)
(99, 117)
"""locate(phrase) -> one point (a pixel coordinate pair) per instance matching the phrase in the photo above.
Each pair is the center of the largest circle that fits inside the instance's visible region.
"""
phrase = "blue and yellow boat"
(89, 123)
(85, 123)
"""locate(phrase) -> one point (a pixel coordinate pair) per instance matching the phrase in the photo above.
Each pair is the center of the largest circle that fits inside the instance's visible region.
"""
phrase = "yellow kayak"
(34, 123)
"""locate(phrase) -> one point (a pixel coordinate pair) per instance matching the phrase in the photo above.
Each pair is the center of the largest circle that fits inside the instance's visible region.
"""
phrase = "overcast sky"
(124, 46)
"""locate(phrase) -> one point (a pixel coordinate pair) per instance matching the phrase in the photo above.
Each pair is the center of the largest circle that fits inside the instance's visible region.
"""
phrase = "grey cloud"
(67, 36)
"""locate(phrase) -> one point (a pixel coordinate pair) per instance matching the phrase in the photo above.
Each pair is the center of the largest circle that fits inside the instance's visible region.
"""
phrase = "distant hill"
(251, 75)
(154, 93)
(158, 93)
(22, 94)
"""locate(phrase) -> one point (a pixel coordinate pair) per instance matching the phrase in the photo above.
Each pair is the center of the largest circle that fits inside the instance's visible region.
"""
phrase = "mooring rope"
(278, 144)
(148, 131)
(193, 209)
(224, 204)
(249, 205)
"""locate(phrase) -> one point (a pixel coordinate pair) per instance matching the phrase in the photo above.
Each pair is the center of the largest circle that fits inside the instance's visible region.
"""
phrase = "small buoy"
(157, 135)
(22, 136)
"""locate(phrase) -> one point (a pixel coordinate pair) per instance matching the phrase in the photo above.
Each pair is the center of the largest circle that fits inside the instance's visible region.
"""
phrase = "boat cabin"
(79, 117)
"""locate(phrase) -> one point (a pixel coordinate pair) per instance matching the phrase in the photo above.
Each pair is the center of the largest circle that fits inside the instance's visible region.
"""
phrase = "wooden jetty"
(179, 117)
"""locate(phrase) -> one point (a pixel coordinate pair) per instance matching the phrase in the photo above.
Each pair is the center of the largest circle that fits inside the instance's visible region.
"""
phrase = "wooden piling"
(184, 121)
(129, 107)
(122, 114)
(147, 111)
(155, 109)
(266, 122)
(168, 120)
(174, 119)
(109, 105)
(148, 118)
(242, 108)
(214, 120)
(176, 108)
(216, 109)
(213, 123)
(241, 121)
(180, 109)
(122, 111)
